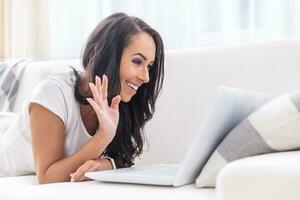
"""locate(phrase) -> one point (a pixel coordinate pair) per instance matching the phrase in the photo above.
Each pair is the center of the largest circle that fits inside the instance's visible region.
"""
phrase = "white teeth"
(132, 86)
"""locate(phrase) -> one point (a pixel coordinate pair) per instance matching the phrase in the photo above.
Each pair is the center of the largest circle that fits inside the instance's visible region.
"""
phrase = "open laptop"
(229, 108)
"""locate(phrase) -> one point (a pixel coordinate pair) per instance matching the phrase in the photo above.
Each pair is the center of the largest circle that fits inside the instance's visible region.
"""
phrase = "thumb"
(115, 102)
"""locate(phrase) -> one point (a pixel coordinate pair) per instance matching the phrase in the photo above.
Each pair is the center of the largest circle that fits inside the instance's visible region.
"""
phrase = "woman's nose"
(144, 75)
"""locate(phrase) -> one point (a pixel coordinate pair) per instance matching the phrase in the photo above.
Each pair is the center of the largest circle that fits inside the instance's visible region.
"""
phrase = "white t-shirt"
(56, 93)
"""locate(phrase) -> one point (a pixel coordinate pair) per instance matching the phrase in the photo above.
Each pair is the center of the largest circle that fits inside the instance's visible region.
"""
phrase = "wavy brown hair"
(102, 55)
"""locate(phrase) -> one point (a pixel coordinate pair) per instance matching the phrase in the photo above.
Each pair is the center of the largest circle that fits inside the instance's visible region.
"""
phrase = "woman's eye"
(137, 62)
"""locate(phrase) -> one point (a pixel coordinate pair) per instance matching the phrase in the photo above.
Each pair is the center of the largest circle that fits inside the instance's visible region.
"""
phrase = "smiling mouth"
(135, 87)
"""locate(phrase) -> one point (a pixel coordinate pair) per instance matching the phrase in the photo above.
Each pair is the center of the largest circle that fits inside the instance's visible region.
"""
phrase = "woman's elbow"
(44, 179)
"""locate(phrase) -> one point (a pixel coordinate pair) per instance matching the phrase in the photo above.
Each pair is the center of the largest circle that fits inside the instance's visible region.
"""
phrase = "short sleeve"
(50, 94)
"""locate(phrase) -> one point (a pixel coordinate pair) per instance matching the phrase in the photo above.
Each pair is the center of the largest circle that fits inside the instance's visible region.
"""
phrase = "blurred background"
(58, 29)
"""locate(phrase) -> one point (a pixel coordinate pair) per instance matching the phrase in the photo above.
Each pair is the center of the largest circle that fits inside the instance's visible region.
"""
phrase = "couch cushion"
(25, 188)
(274, 176)
(273, 127)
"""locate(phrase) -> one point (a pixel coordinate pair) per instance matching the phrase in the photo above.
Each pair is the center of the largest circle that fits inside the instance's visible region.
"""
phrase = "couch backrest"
(191, 79)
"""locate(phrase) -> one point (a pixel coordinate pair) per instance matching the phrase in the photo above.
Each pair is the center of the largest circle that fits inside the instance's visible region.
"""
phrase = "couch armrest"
(273, 176)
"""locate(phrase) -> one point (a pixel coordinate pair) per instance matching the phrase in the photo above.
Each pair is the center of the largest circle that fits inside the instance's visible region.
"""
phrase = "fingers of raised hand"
(115, 102)
(99, 90)
(96, 95)
(104, 86)
(99, 87)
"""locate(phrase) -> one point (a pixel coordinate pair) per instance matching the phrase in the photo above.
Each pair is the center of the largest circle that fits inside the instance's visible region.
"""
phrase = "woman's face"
(136, 60)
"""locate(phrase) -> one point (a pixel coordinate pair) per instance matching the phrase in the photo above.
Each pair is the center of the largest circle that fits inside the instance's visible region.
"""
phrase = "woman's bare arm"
(47, 132)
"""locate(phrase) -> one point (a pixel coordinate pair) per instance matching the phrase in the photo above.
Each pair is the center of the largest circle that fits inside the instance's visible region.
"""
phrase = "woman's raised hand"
(108, 116)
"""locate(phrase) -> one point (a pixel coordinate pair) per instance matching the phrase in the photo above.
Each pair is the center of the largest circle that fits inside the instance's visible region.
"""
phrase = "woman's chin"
(125, 99)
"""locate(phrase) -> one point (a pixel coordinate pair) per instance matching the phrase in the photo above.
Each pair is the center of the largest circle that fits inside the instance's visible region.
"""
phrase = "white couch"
(191, 79)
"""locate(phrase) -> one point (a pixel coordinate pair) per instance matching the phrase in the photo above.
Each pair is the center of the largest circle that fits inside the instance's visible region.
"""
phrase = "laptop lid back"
(229, 108)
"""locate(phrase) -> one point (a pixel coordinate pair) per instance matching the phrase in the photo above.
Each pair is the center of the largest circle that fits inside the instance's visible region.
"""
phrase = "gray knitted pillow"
(273, 127)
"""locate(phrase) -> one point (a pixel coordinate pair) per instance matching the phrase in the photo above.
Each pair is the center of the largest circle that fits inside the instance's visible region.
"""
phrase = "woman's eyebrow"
(140, 54)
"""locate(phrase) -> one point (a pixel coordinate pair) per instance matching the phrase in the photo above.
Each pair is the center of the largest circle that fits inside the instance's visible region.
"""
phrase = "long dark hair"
(102, 55)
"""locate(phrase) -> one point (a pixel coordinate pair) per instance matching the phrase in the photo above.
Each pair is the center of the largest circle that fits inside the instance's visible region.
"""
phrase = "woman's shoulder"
(56, 94)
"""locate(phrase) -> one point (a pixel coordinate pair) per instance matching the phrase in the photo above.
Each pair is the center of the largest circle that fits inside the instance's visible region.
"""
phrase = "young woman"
(75, 122)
